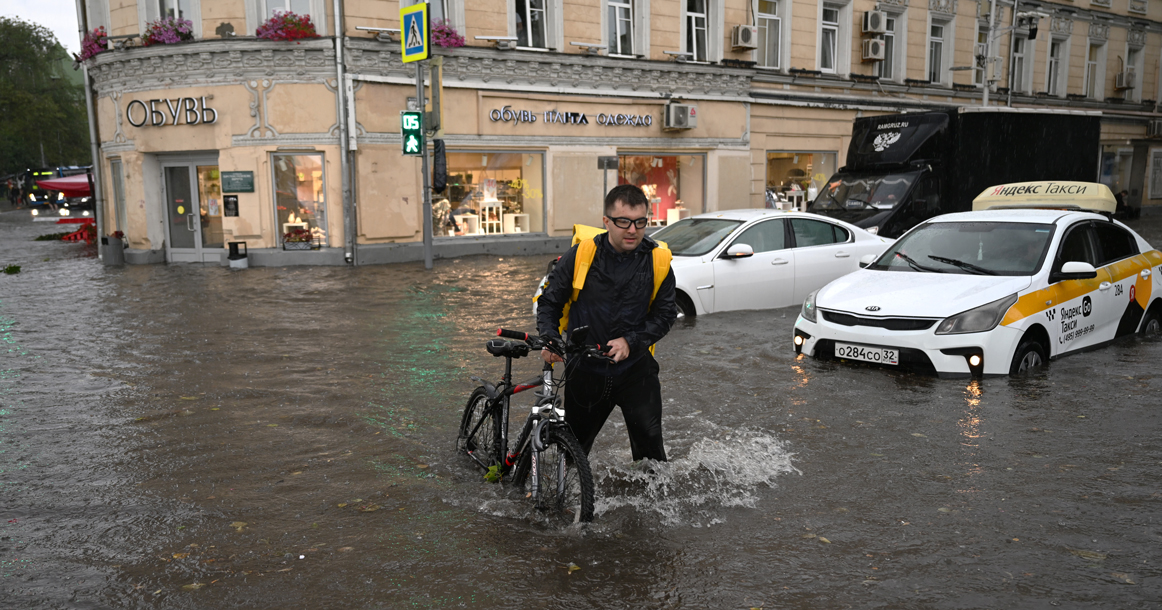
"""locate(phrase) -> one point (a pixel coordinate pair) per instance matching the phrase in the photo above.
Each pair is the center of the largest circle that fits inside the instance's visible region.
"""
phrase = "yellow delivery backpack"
(587, 248)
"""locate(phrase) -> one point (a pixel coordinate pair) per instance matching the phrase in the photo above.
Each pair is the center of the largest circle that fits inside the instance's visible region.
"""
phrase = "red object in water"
(76, 221)
(71, 186)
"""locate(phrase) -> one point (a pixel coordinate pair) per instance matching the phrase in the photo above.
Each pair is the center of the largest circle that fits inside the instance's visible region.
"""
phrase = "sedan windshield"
(695, 236)
(851, 192)
(976, 248)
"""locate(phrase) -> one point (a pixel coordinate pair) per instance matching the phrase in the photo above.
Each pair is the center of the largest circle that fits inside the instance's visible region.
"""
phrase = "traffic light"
(412, 129)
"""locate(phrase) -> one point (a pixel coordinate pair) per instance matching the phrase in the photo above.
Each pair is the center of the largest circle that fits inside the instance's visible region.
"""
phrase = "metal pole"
(424, 170)
(344, 151)
(94, 141)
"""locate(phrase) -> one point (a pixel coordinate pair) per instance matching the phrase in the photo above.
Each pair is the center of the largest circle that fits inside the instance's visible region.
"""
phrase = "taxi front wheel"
(1030, 354)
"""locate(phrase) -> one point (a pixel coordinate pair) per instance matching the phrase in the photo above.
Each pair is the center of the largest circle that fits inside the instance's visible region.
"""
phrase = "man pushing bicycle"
(620, 285)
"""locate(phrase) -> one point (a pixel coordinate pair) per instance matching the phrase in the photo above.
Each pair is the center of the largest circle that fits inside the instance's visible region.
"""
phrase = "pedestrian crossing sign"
(415, 30)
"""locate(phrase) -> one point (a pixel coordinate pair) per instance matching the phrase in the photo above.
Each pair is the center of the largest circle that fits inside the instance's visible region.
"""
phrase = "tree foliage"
(41, 104)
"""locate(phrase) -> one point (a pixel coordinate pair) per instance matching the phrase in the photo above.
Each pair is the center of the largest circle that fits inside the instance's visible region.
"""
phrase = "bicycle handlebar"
(554, 345)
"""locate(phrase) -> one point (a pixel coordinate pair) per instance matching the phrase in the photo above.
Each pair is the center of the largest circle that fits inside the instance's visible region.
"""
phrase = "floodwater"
(194, 437)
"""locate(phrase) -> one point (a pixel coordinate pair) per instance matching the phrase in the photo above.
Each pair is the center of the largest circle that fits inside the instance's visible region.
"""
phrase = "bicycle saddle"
(508, 349)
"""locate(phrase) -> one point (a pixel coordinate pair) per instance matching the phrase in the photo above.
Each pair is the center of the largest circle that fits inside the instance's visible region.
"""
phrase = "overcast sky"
(60, 16)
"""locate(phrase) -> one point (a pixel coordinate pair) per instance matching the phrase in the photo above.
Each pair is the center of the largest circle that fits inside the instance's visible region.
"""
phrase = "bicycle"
(548, 463)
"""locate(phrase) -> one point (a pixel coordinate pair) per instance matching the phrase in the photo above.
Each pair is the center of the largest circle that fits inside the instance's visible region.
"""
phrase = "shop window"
(210, 204)
(791, 176)
(115, 170)
(674, 184)
(300, 195)
(492, 193)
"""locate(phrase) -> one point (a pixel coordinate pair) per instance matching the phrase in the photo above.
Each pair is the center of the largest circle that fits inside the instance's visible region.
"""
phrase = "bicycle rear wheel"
(479, 436)
(565, 491)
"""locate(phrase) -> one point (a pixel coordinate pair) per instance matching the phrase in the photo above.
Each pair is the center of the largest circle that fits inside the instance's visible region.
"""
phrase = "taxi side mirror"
(1074, 270)
(866, 260)
(739, 251)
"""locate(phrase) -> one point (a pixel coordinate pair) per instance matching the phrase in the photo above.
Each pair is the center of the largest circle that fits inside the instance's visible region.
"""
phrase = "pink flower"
(287, 26)
(168, 30)
(444, 35)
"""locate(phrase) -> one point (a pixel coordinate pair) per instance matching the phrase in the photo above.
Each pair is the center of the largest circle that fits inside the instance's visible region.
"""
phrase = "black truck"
(903, 169)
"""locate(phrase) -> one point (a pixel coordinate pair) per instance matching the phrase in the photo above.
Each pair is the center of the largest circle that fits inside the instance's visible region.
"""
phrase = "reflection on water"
(191, 437)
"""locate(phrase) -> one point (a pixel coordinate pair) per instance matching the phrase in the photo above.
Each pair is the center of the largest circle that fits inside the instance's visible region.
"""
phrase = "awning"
(71, 186)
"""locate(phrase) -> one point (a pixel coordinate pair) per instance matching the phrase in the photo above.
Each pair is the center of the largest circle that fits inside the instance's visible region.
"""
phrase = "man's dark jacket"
(614, 303)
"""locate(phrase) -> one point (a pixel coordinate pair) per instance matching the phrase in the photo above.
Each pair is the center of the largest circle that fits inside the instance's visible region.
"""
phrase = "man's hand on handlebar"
(618, 349)
(550, 357)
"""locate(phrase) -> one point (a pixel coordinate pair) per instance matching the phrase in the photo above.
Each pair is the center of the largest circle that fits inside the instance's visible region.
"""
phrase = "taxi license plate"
(879, 355)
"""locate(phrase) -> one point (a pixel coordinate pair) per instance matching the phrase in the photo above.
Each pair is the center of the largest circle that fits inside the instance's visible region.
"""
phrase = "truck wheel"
(1030, 354)
(1152, 325)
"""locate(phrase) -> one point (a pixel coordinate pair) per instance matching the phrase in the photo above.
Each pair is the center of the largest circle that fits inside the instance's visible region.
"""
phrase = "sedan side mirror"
(866, 260)
(1074, 270)
(739, 251)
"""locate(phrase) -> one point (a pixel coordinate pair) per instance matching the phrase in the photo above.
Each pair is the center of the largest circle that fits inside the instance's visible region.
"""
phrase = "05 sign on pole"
(412, 129)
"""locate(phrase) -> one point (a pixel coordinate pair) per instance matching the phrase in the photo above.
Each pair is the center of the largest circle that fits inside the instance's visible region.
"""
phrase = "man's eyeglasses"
(623, 223)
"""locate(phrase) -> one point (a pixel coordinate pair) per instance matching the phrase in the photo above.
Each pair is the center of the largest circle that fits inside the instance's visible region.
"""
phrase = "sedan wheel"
(1030, 355)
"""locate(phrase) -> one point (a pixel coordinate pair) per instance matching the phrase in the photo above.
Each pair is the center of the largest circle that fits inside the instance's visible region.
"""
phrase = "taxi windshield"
(974, 248)
(695, 236)
(851, 192)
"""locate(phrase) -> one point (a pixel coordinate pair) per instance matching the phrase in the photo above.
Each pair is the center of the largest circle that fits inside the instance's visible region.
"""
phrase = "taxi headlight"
(36, 212)
(978, 320)
(809, 307)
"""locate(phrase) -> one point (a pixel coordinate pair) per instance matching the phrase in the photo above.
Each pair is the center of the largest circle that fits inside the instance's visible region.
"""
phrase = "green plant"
(287, 26)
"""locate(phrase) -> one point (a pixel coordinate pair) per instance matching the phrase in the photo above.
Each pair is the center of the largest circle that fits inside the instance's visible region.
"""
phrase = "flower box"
(299, 245)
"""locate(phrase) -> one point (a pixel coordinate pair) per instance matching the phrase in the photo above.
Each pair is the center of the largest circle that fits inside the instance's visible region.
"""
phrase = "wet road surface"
(194, 437)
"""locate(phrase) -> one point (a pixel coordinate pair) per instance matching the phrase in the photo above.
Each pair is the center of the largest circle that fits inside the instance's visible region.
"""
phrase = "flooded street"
(188, 436)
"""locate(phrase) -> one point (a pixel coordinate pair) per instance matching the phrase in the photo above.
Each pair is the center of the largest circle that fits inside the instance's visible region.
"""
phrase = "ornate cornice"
(554, 72)
(1102, 3)
(1139, 6)
(948, 7)
(1099, 31)
(1061, 25)
(212, 62)
(1136, 38)
(893, 3)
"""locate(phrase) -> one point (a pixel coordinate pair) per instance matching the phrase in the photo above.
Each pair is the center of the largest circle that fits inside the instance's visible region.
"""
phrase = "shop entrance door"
(193, 196)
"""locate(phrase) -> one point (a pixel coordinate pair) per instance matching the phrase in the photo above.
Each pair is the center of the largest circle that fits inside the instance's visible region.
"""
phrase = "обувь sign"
(157, 113)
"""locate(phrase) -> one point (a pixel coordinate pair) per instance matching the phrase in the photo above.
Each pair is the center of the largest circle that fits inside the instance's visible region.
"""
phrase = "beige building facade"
(294, 148)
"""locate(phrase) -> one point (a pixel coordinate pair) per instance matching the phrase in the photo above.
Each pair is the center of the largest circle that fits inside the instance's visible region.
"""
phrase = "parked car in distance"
(1040, 271)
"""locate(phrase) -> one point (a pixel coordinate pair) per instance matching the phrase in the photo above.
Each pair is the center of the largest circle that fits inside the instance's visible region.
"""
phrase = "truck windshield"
(863, 192)
(695, 236)
(977, 248)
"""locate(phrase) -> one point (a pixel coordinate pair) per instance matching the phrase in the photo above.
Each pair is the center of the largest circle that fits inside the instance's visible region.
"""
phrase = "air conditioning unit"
(873, 50)
(744, 37)
(875, 22)
(1124, 80)
(1155, 128)
(680, 116)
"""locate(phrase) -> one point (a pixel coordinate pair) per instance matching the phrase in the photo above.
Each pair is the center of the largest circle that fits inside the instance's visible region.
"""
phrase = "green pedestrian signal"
(412, 129)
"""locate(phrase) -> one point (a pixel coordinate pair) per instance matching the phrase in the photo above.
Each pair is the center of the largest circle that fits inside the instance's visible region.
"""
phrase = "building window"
(1093, 88)
(531, 24)
(770, 30)
(1133, 66)
(1017, 72)
(886, 68)
(620, 27)
(178, 9)
(829, 39)
(437, 9)
(1053, 70)
(696, 20)
(982, 36)
(492, 193)
(118, 176)
(936, 53)
(795, 175)
(298, 7)
(673, 183)
(300, 196)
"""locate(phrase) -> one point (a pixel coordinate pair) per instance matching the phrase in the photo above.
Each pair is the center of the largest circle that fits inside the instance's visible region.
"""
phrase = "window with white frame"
(1054, 84)
(1094, 62)
(298, 7)
(1133, 66)
(982, 36)
(887, 68)
(697, 22)
(149, 11)
(770, 27)
(532, 23)
(98, 14)
(1019, 69)
(178, 9)
(437, 9)
(829, 39)
(937, 54)
(620, 20)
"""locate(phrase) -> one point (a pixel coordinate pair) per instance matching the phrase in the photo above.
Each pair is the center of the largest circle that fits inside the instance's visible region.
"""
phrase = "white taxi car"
(1038, 270)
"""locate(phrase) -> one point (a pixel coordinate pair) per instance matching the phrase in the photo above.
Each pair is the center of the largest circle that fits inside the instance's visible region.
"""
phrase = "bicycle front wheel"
(563, 484)
(479, 436)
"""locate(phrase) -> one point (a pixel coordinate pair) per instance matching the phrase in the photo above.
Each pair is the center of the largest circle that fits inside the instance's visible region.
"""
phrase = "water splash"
(728, 471)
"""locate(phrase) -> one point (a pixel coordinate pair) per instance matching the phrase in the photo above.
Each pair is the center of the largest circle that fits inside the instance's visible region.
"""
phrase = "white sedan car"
(760, 259)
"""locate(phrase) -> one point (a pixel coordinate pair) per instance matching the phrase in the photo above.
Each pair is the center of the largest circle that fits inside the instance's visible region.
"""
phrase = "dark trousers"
(590, 398)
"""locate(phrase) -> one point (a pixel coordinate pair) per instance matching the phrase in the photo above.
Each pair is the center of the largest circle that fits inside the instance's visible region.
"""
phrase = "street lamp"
(984, 57)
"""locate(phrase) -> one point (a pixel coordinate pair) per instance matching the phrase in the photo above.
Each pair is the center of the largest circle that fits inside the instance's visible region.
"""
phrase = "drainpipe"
(344, 154)
(1013, 41)
(94, 142)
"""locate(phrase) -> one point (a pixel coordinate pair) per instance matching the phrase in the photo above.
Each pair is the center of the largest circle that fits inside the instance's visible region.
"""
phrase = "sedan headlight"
(978, 320)
(809, 307)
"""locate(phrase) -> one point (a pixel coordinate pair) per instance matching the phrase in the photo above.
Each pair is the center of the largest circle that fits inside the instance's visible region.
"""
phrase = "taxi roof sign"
(1047, 194)
(415, 32)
